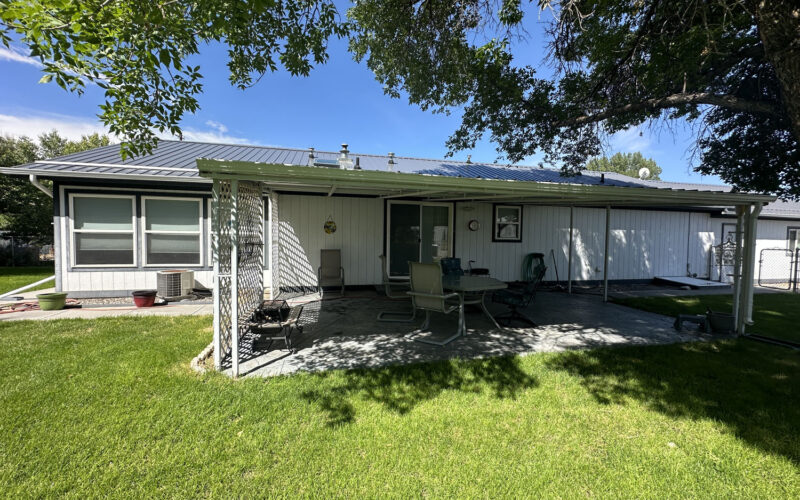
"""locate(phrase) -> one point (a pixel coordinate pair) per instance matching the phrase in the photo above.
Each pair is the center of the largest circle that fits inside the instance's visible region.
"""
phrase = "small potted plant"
(144, 298)
(52, 301)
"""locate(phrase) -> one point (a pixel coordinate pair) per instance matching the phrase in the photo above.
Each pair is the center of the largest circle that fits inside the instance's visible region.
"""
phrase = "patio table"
(476, 286)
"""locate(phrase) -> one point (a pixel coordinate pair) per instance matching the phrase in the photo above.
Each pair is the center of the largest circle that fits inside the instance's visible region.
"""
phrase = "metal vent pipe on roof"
(345, 162)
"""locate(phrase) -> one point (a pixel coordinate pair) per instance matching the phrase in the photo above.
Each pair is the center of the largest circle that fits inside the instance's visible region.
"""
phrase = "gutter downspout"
(38, 185)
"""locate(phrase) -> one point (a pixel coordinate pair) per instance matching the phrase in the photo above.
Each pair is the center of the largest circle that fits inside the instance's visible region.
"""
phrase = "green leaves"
(136, 51)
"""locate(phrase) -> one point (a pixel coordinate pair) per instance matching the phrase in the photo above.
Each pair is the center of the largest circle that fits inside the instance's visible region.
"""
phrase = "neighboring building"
(118, 221)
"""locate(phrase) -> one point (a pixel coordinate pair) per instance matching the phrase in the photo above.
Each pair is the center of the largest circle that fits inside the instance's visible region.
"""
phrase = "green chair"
(427, 294)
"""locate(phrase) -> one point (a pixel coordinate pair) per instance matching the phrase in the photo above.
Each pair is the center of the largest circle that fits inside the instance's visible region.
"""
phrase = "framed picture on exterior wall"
(507, 223)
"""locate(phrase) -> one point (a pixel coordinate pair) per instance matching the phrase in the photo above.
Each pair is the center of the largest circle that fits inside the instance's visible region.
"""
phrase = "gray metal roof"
(176, 161)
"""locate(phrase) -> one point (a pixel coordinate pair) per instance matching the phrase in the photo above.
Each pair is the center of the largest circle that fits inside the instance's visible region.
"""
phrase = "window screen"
(103, 231)
(172, 231)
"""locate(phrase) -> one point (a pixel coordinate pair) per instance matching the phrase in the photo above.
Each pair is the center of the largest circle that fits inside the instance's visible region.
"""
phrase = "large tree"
(138, 50)
(730, 67)
(26, 212)
(630, 164)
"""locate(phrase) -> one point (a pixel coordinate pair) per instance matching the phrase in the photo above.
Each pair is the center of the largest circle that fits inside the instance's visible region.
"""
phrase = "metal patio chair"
(330, 271)
(521, 298)
(427, 294)
(395, 288)
(451, 266)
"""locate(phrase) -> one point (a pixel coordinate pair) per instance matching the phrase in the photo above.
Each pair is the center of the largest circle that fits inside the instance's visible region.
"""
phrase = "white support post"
(751, 263)
(569, 255)
(605, 254)
(215, 263)
(737, 264)
(235, 277)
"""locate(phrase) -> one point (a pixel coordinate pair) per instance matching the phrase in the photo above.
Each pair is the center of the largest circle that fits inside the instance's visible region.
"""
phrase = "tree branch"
(671, 101)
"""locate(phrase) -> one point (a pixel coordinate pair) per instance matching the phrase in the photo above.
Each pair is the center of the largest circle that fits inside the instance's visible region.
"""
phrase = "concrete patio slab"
(345, 333)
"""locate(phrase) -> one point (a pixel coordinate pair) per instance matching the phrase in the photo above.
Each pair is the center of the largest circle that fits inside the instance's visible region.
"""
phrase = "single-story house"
(119, 221)
(245, 218)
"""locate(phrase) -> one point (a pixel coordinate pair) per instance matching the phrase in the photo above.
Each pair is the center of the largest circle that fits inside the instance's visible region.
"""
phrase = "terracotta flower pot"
(144, 298)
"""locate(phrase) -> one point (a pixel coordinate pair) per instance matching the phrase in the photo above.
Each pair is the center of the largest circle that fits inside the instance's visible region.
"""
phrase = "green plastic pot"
(52, 301)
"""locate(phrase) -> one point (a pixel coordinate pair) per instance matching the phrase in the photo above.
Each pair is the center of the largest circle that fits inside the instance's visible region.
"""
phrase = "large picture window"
(172, 231)
(103, 230)
(507, 223)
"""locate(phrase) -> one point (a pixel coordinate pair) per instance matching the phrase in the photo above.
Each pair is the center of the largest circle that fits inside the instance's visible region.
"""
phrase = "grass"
(110, 408)
(774, 314)
(12, 278)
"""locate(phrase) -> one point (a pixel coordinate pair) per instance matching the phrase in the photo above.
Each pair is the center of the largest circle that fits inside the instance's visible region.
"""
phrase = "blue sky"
(339, 102)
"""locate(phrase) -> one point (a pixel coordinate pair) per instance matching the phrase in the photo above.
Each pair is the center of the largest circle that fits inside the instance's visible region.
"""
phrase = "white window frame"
(499, 239)
(73, 231)
(789, 231)
(198, 233)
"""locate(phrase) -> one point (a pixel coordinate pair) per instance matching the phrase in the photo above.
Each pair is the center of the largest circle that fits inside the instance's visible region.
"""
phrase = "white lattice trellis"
(238, 252)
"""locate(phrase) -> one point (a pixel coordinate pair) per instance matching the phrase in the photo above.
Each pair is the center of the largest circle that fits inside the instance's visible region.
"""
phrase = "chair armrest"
(433, 296)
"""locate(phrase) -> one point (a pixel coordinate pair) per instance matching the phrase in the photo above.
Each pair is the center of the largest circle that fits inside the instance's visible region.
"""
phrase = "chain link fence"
(18, 251)
(778, 268)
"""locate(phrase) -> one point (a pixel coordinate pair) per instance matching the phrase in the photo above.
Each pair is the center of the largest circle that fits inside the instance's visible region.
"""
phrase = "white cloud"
(17, 55)
(218, 133)
(221, 128)
(630, 141)
(73, 127)
(32, 125)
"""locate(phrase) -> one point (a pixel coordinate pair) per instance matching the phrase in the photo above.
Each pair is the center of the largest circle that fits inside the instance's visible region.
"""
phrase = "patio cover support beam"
(235, 277)
(605, 254)
(737, 264)
(215, 264)
(569, 255)
(745, 302)
(410, 194)
(751, 271)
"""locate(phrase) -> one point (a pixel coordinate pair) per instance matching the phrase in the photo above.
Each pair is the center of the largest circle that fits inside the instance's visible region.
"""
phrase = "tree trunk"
(779, 28)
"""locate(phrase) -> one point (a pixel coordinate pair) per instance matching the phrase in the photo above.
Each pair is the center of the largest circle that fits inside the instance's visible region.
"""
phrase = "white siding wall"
(643, 244)
(91, 281)
(359, 235)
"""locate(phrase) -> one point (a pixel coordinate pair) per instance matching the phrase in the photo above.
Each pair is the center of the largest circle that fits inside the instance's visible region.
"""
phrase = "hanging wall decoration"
(329, 226)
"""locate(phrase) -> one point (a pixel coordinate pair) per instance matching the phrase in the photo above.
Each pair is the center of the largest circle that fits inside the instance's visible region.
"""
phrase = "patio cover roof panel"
(446, 187)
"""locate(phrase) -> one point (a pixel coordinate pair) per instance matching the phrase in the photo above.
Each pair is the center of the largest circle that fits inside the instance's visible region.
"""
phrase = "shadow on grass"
(750, 388)
(401, 388)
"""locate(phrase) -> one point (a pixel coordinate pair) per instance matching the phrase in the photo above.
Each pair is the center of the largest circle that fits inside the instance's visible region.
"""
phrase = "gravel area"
(128, 301)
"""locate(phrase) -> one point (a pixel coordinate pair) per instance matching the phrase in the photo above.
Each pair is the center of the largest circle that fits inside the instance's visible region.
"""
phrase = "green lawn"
(110, 407)
(774, 314)
(12, 278)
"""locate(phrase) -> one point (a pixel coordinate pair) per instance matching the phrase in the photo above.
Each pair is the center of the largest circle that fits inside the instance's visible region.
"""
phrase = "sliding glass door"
(418, 232)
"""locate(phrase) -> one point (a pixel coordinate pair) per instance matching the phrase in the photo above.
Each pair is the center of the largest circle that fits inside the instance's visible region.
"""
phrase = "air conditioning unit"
(175, 284)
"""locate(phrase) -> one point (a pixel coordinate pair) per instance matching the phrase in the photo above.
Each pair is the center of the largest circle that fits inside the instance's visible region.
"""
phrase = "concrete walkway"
(346, 334)
(101, 311)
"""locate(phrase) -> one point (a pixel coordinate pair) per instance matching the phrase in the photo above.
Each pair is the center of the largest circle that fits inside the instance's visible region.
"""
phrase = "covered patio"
(344, 333)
